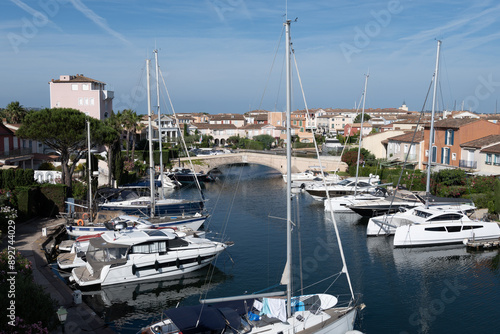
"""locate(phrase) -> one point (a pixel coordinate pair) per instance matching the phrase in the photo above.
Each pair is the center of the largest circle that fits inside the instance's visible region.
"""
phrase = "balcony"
(108, 94)
(468, 164)
(15, 153)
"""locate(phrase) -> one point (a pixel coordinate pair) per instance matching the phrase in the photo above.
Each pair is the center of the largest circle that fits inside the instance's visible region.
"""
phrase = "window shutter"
(442, 154)
(452, 137)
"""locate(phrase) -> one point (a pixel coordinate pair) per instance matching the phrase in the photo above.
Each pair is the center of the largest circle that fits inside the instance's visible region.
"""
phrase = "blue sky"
(216, 55)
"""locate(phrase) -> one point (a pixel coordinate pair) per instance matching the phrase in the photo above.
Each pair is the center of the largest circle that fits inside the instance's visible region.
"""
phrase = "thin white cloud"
(452, 26)
(35, 13)
(98, 20)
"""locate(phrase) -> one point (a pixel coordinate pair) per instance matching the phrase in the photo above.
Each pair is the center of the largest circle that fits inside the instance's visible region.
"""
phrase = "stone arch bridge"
(275, 161)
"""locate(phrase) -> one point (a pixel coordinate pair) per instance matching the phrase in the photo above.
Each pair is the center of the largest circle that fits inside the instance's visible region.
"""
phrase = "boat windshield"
(344, 182)
(102, 253)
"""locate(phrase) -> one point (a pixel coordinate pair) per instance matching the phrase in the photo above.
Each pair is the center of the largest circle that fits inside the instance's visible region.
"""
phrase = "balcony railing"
(15, 153)
(468, 164)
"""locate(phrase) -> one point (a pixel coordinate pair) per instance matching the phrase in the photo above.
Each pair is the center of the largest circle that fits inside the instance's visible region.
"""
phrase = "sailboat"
(340, 204)
(150, 206)
(272, 313)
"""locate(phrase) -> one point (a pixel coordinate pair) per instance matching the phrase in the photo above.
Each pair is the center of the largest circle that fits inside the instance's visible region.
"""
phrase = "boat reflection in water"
(122, 304)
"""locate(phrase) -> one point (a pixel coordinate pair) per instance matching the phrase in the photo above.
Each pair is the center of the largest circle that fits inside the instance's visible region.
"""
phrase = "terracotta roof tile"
(482, 142)
(495, 149)
(78, 78)
(407, 137)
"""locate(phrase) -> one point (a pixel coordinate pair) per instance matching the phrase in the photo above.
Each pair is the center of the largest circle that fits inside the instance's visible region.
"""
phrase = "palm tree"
(138, 128)
(128, 121)
(14, 113)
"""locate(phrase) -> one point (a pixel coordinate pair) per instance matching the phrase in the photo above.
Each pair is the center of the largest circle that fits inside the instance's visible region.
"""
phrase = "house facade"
(482, 154)
(377, 143)
(81, 93)
(450, 133)
(407, 147)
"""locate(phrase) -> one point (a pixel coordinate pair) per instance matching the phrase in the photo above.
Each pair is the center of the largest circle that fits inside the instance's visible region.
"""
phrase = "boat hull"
(191, 223)
(145, 267)
(444, 233)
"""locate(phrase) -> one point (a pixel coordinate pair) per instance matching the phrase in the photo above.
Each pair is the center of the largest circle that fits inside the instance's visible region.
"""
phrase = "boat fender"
(134, 269)
(198, 259)
(80, 222)
(178, 263)
(157, 266)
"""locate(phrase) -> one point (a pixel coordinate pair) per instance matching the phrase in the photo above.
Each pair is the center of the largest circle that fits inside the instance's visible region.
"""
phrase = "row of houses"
(462, 139)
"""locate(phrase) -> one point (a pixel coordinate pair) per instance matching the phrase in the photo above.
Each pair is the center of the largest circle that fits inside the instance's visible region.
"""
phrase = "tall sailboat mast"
(431, 134)
(288, 267)
(150, 135)
(160, 133)
(361, 134)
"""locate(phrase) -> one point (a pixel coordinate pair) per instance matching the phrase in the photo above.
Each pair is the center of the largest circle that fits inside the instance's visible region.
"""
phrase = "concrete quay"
(28, 241)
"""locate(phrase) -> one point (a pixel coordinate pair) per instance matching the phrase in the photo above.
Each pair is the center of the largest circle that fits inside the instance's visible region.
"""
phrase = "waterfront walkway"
(29, 240)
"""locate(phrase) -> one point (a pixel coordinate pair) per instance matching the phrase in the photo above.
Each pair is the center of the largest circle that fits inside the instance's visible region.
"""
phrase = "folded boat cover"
(202, 318)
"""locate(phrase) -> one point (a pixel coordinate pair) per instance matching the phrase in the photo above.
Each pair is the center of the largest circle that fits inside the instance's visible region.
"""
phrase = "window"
(445, 155)
(86, 101)
(436, 229)
(488, 159)
(448, 140)
(91, 101)
(434, 154)
(80, 101)
(85, 87)
(405, 149)
(74, 87)
(454, 228)
(496, 160)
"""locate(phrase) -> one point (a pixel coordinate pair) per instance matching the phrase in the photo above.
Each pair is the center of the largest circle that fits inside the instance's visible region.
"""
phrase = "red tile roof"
(482, 142)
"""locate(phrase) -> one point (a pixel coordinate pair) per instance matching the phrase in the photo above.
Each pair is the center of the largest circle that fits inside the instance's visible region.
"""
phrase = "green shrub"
(451, 177)
(35, 309)
(79, 190)
(46, 166)
(450, 191)
(480, 200)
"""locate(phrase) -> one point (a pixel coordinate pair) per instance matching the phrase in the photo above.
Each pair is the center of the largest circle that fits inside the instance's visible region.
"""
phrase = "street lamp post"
(62, 314)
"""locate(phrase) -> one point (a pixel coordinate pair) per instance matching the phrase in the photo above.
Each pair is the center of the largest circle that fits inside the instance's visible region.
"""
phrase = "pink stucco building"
(81, 93)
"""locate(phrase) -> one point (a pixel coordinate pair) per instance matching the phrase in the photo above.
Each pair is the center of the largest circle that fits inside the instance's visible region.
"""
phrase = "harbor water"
(423, 290)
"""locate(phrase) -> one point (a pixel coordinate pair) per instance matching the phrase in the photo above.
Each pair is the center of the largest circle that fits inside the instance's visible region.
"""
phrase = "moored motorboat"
(186, 175)
(347, 186)
(129, 256)
(445, 232)
(387, 224)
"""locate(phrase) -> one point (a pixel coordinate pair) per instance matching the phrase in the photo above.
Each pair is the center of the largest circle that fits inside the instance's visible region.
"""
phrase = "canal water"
(425, 290)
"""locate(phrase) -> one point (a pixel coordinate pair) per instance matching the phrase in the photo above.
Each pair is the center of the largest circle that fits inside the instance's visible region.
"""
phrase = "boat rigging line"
(341, 249)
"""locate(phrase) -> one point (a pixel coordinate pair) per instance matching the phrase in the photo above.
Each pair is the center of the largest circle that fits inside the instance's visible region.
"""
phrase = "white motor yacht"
(347, 186)
(445, 230)
(387, 224)
(134, 255)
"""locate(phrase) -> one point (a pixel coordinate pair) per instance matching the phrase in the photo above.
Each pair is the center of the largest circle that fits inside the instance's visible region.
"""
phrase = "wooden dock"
(483, 244)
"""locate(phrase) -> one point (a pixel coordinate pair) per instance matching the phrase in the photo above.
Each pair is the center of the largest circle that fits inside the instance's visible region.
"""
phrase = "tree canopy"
(62, 129)
(366, 118)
